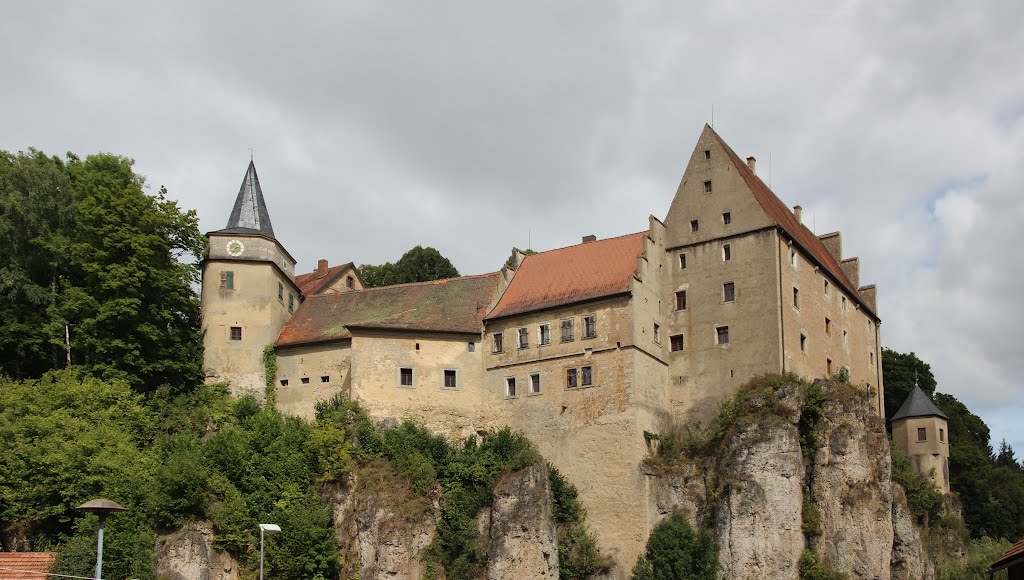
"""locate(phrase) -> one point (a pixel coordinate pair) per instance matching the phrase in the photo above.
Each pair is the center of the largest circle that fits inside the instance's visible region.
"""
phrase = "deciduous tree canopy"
(417, 265)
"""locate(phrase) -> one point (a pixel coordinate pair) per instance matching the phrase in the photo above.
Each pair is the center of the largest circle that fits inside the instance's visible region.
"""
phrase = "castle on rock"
(583, 348)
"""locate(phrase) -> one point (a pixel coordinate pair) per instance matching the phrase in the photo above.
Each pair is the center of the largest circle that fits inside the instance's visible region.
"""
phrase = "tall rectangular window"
(844, 303)
(405, 377)
(677, 342)
(729, 291)
(826, 288)
(567, 330)
(535, 384)
(726, 252)
(828, 326)
(227, 280)
(681, 300)
(498, 342)
(524, 337)
(590, 326)
(796, 298)
(922, 434)
(291, 302)
(942, 435)
(682, 261)
(792, 258)
(707, 186)
(845, 338)
(450, 379)
(236, 333)
(694, 225)
(280, 291)
(803, 342)
(657, 333)
(472, 346)
(350, 282)
(722, 334)
(570, 378)
(544, 334)
(586, 376)
(828, 367)
(727, 218)
(510, 386)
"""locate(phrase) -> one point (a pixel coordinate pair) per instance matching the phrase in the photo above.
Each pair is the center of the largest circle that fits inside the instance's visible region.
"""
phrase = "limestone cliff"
(782, 471)
(189, 554)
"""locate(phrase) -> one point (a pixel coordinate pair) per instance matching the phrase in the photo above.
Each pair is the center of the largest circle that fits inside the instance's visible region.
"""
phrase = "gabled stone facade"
(660, 325)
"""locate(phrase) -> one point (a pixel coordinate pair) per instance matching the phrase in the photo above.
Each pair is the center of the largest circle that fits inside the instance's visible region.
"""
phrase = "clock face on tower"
(235, 248)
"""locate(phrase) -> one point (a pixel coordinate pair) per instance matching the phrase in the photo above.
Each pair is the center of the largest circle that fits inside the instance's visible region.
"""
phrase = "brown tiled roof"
(25, 565)
(785, 219)
(1011, 556)
(573, 274)
(451, 305)
(316, 280)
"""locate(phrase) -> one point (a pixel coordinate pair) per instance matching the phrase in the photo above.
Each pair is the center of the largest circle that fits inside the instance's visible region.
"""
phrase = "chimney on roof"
(796, 211)
(752, 164)
(590, 238)
(321, 267)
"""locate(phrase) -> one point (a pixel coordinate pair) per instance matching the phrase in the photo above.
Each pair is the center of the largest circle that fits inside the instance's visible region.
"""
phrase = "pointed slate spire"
(250, 212)
(918, 405)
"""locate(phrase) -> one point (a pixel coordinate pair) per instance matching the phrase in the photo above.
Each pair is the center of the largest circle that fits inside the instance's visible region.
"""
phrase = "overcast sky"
(476, 126)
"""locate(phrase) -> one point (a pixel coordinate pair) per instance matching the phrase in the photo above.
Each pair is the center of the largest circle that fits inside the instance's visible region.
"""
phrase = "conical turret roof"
(918, 405)
(249, 215)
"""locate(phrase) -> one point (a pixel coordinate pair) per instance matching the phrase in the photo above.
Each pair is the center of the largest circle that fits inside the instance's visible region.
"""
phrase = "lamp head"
(270, 528)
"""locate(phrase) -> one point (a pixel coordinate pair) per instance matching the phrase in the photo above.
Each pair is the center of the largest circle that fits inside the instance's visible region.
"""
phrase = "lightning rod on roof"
(251, 152)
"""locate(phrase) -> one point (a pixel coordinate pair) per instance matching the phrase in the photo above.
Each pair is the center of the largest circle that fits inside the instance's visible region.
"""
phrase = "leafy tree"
(417, 265)
(901, 370)
(675, 551)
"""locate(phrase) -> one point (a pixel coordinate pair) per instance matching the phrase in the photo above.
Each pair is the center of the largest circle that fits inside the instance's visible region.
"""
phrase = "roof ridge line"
(647, 231)
(407, 284)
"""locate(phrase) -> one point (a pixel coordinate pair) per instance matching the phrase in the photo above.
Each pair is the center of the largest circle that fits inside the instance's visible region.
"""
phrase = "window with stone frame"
(922, 434)
(677, 342)
(535, 384)
(590, 326)
(729, 292)
(726, 252)
(586, 376)
(497, 342)
(657, 333)
(450, 379)
(510, 386)
(227, 280)
(405, 376)
(567, 330)
(544, 334)
(722, 335)
(524, 338)
(681, 300)
(571, 376)
(796, 298)
(236, 333)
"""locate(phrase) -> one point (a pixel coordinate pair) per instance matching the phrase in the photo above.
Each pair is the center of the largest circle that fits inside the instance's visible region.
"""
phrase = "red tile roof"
(316, 280)
(1014, 555)
(573, 274)
(450, 305)
(26, 565)
(784, 218)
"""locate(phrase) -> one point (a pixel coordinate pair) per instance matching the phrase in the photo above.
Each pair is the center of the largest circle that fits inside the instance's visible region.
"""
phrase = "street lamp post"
(269, 528)
(102, 508)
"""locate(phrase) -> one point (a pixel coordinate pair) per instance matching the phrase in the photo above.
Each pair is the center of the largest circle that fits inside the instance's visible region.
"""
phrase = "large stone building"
(583, 348)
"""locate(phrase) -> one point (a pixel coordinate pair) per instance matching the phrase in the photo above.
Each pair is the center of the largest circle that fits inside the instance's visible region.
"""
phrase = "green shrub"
(810, 516)
(923, 498)
(813, 569)
(674, 550)
(981, 553)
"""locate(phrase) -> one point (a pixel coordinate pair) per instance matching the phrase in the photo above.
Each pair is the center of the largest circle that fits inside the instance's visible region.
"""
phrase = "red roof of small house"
(454, 305)
(317, 280)
(26, 565)
(785, 219)
(1015, 555)
(573, 274)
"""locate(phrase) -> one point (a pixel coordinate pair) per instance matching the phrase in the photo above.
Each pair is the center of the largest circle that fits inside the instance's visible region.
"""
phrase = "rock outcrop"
(909, 560)
(189, 554)
(522, 539)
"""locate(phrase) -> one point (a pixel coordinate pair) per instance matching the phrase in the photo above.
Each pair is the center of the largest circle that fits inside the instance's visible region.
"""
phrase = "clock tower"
(248, 292)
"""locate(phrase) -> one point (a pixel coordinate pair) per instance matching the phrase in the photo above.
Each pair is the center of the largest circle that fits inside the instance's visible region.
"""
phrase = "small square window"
(305, 380)
(567, 330)
(590, 326)
(727, 218)
(681, 300)
(544, 334)
(694, 225)
(682, 261)
(450, 381)
(729, 291)
(922, 434)
(803, 342)
(677, 342)
(325, 379)
(726, 252)
(796, 298)
(284, 382)
(236, 333)
(498, 342)
(510, 386)
(471, 345)
(657, 333)
(722, 334)
(570, 378)
(707, 186)
(535, 384)
(405, 377)
(707, 154)
(828, 326)
(586, 376)
(524, 337)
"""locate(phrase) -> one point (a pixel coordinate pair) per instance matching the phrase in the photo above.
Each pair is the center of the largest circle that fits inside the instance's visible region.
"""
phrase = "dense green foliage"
(417, 265)
(981, 553)
(901, 371)
(923, 498)
(82, 243)
(676, 551)
(990, 484)
(813, 569)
